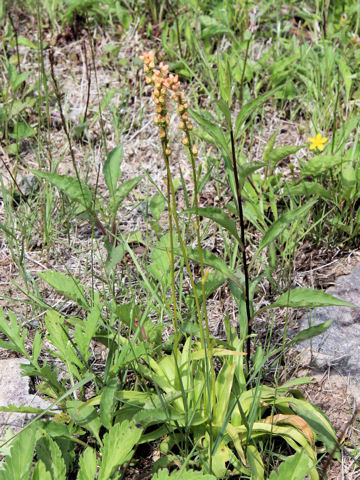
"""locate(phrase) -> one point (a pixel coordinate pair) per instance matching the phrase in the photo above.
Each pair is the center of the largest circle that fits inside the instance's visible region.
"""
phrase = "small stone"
(339, 346)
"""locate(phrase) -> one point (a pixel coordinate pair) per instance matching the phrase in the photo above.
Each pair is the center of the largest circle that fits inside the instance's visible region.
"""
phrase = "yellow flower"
(318, 142)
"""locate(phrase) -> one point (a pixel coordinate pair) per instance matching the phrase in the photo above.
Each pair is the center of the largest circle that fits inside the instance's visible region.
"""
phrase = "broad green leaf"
(22, 130)
(311, 332)
(279, 153)
(157, 205)
(163, 474)
(295, 467)
(210, 260)
(24, 42)
(320, 164)
(309, 188)
(66, 285)
(85, 331)
(121, 192)
(225, 110)
(308, 298)
(107, 403)
(348, 176)
(269, 147)
(48, 451)
(213, 281)
(17, 465)
(247, 169)
(20, 79)
(59, 338)
(223, 388)
(70, 186)
(36, 347)
(87, 464)
(255, 462)
(111, 168)
(85, 416)
(318, 422)
(40, 472)
(218, 216)
(213, 130)
(118, 447)
(12, 331)
(281, 223)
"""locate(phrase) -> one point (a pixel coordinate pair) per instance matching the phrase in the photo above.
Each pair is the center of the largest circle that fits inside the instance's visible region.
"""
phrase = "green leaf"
(22, 130)
(117, 448)
(157, 205)
(12, 331)
(308, 298)
(17, 465)
(40, 472)
(23, 42)
(295, 467)
(225, 87)
(309, 188)
(210, 260)
(320, 164)
(85, 416)
(318, 422)
(218, 216)
(163, 474)
(48, 451)
(249, 108)
(247, 169)
(77, 192)
(311, 332)
(279, 153)
(213, 130)
(348, 176)
(255, 462)
(21, 409)
(107, 403)
(111, 168)
(281, 223)
(87, 464)
(122, 191)
(66, 285)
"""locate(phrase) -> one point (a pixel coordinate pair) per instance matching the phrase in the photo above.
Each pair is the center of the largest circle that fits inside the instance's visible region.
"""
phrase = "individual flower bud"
(162, 133)
(185, 116)
(148, 80)
(152, 65)
(176, 86)
(157, 119)
(194, 150)
(185, 140)
(168, 151)
(158, 109)
(167, 120)
(180, 109)
(189, 125)
(182, 125)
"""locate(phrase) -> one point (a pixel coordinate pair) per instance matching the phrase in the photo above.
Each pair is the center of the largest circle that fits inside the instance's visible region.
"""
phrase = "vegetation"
(149, 125)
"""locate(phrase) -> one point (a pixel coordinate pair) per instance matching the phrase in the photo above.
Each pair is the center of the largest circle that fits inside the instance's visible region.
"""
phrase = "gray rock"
(14, 390)
(339, 346)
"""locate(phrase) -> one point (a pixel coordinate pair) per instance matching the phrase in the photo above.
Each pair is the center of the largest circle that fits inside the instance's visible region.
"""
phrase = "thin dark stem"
(88, 78)
(244, 259)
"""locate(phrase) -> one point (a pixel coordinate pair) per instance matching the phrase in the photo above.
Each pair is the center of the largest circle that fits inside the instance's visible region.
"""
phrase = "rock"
(339, 346)
(14, 390)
